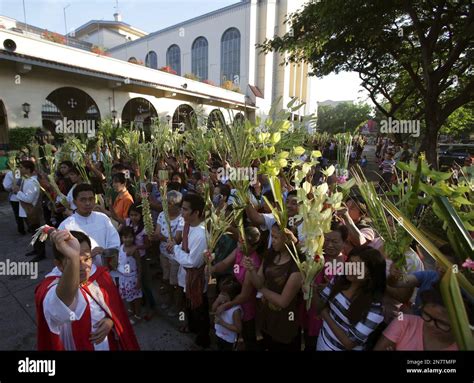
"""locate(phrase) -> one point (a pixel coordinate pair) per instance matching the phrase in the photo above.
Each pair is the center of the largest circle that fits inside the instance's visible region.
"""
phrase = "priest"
(78, 307)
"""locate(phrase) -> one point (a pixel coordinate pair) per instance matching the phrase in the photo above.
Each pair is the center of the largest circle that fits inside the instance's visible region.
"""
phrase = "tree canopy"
(414, 57)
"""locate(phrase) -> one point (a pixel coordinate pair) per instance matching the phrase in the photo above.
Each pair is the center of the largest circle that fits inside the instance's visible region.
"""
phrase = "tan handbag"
(33, 212)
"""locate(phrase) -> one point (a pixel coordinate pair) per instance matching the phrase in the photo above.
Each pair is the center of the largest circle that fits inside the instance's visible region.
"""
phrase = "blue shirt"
(427, 279)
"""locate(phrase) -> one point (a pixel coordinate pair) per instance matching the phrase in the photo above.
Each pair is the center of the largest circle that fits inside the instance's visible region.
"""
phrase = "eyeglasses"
(443, 326)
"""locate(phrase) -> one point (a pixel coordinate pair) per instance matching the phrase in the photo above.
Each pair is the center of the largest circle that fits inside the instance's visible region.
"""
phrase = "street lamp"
(114, 114)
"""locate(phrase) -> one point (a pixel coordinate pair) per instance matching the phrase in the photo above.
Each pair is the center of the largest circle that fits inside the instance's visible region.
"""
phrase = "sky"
(150, 16)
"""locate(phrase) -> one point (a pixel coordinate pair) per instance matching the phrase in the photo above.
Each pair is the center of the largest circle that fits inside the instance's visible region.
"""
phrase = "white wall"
(212, 28)
(7, 22)
(35, 86)
(104, 38)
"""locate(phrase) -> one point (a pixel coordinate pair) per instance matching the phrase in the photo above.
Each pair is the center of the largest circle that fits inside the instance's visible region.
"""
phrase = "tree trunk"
(429, 145)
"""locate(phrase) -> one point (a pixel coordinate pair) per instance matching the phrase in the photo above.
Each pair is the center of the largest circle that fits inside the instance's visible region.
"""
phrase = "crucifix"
(72, 103)
(141, 110)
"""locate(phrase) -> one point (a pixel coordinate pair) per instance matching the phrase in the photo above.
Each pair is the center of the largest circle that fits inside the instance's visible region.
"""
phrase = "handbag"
(33, 212)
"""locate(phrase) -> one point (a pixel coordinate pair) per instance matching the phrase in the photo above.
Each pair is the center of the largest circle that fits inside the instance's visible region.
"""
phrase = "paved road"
(17, 313)
(372, 169)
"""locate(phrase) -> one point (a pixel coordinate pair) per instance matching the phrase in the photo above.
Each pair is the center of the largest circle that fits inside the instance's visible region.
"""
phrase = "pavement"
(18, 313)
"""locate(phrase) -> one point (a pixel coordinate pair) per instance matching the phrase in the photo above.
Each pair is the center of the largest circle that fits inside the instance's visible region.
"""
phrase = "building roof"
(65, 58)
(22, 28)
(183, 23)
(92, 24)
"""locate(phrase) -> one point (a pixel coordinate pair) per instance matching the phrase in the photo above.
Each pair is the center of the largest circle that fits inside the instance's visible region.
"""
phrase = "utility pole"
(65, 23)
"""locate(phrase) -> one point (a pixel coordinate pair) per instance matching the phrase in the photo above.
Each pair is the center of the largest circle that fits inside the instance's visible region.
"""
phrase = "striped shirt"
(387, 166)
(338, 310)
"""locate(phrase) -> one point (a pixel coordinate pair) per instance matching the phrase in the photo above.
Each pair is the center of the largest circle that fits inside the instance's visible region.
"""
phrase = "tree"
(415, 54)
(460, 122)
(342, 117)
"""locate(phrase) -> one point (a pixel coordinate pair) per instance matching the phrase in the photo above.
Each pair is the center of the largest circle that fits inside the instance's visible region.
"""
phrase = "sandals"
(135, 319)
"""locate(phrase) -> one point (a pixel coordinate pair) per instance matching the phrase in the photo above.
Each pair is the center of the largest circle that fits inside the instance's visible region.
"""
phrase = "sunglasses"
(443, 326)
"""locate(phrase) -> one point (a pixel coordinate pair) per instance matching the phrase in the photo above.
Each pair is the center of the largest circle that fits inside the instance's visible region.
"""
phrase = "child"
(363, 162)
(228, 325)
(142, 243)
(169, 266)
(129, 266)
(388, 168)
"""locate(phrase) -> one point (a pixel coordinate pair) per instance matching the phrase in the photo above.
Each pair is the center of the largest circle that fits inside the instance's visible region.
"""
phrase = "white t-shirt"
(59, 316)
(8, 182)
(176, 224)
(195, 258)
(223, 332)
(98, 227)
(29, 193)
(70, 199)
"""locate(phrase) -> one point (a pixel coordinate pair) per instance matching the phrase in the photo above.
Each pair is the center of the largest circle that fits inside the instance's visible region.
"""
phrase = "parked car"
(449, 153)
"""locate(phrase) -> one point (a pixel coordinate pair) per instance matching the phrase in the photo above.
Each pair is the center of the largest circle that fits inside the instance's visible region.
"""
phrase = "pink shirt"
(407, 334)
(250, 307)
(139, 237)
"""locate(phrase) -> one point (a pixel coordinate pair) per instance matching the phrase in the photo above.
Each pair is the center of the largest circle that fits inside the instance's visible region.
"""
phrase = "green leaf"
(275, 138)
(299, 150)
(461, 241)
(462, 201)
(409, 168)
(438, 176)
(424, 242)
(454, 303)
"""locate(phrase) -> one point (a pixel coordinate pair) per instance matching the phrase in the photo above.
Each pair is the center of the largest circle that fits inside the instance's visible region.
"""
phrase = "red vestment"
(121, 337)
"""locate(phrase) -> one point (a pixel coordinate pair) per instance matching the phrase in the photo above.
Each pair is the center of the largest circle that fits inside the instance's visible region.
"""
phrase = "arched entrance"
(184, 118)
(3, 127)
(139, 112)
(71, 109)
(239, 119)
(215, 119)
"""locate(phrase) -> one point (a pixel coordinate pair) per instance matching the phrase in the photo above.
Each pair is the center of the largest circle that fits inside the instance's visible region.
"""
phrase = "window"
(199, 58)
(151, 60)
(230, 56)
(173, 58)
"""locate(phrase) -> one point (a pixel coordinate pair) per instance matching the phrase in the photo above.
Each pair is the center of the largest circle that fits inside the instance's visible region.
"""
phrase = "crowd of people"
(104, 281)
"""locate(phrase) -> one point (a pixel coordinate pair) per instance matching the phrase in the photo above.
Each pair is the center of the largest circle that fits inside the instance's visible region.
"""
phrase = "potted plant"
(191, 76)
(99, 51)
(209, 82)
(54, 37)
(168, 69)
(229, 85)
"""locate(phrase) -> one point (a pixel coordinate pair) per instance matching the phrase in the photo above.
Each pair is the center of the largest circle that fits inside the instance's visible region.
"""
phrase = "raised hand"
(66, 244)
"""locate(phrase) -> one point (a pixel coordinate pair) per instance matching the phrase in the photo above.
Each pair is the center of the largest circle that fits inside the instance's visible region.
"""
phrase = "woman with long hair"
(279, 281)
(351, 304)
